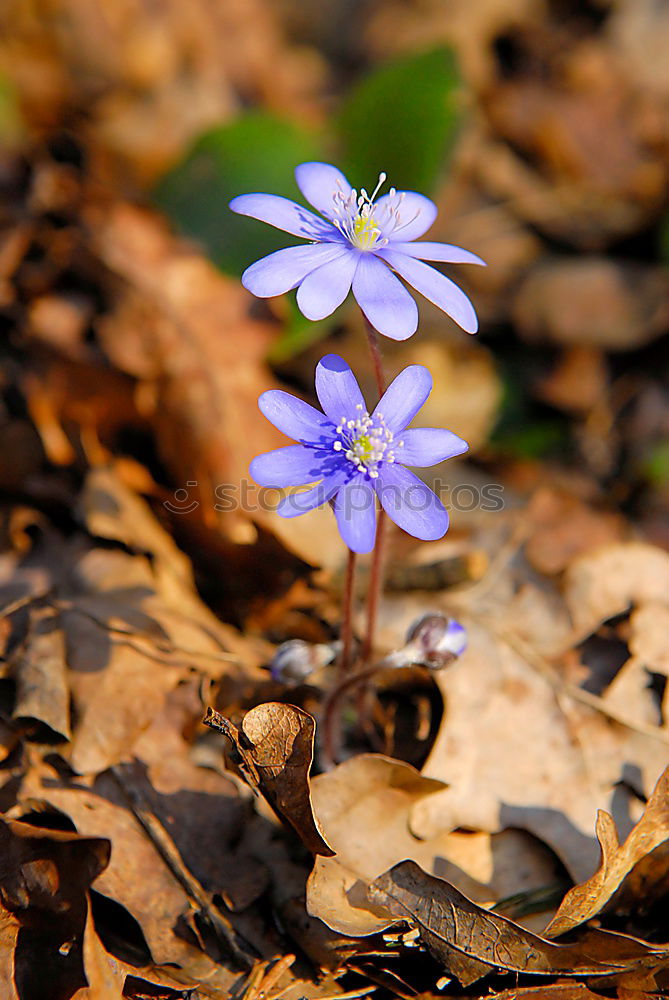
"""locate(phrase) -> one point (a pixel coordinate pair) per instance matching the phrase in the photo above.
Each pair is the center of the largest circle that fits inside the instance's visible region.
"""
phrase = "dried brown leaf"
(160, 578)
(649, 636)
(275, 748)
(376, 794)
(115, 705)
(9, 930)
(472, 941)
(137, 877)
(507, 752)
(521, 743)
(607, 582)
(640, 864)
(42, 693)
(45, 876)
(564, 527)
(556, 991)
(104, 975)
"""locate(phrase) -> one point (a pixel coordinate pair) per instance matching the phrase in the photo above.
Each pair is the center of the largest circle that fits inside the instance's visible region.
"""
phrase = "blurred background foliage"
(401, 118)
(540, 129)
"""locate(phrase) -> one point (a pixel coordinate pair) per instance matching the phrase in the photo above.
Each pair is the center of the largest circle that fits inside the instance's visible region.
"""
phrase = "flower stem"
(332, 711)
(375, 588)
(375, 351)
(378, 555)
(347, 616)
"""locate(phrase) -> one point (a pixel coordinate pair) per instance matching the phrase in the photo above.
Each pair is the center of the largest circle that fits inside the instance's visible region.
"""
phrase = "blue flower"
(354, 456)
(360, 241)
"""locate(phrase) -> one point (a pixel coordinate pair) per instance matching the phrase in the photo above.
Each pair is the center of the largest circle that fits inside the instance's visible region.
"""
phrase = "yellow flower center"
(365, 231)
(363, 447)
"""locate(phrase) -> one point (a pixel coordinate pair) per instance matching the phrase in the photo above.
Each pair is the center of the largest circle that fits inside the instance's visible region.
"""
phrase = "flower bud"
(433, 641)
(296, 659)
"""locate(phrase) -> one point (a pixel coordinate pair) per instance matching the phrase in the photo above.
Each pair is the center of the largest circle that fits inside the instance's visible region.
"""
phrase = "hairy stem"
(378, 555)
(347, 616)
(331, 713)
(375, 351)
(375, 588)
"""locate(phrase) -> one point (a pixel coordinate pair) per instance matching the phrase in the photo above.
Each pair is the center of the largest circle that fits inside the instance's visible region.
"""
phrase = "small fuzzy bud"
(296, 659)
(433, 641)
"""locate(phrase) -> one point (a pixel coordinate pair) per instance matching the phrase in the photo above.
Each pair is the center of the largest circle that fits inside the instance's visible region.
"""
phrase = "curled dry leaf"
(472, 941)
(638, 868)
(364, 806)
(275, 750)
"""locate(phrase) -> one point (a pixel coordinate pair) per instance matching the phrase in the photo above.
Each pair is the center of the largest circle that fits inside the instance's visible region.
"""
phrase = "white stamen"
(366, 442)
(360, 220)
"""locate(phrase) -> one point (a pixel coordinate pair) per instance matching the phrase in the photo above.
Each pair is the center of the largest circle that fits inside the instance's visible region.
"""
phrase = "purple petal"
(319, 182)
(306, 500)
(290, 466)
(383, 299)
(284, 214)
(355, 510)
(404, 397)
(444, 252)
(416, 215)
(411, 504)
(284, 269)
(296, 418)
(337, 389)
(326, 288)
(425, 446)
(435, 286)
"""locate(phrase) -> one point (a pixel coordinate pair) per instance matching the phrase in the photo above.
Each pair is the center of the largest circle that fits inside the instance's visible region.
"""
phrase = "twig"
(542, 665)
(169, 852)
(166, 647)
(464, 593)
(264, 976)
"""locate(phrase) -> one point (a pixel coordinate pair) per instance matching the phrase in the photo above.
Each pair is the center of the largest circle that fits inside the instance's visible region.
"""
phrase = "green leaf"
(256, 152)
(654, 464)
(402, 119)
